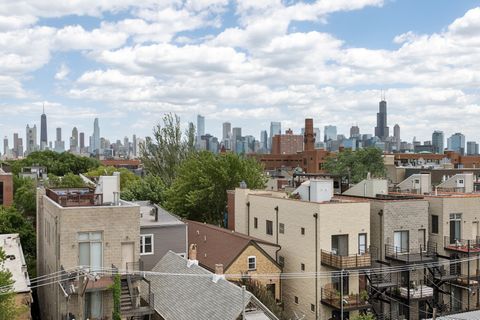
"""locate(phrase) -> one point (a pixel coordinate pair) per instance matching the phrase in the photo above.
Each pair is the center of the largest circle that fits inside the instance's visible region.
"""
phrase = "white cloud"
(62, 72)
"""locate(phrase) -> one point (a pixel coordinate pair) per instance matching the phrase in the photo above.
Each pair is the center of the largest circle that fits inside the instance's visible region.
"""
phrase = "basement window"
(255, 223)
(302, 231)
(296, 299)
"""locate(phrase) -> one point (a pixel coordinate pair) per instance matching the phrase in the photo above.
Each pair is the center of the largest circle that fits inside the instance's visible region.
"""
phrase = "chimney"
(309, 136)
(192, 255)
(218, 272)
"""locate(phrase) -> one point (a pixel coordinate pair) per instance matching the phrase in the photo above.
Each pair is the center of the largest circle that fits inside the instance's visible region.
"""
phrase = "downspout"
(276, 222)
(315, 215)
(248, 218)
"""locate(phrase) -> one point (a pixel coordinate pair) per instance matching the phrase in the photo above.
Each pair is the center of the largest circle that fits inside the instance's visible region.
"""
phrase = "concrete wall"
(165, 238)
(333, 218)
(58, 228)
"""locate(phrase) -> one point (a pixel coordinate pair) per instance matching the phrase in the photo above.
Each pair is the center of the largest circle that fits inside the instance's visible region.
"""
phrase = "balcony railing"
(331, 259)
(462, 245)
(415, 290)
(333, 298)
(419, 254)
(75, 197)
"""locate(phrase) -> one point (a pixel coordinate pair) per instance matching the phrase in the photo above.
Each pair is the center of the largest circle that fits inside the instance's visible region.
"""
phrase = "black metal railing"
(334, 299)
(415, 289)
(420, 253)
(462, 245)
(332, 259)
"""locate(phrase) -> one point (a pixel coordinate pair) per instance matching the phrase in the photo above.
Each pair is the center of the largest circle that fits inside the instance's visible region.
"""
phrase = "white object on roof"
(15, 262)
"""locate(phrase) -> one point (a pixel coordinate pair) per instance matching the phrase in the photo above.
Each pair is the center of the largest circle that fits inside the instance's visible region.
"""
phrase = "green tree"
(200, 190)
(11, 221)
(8, 308)
(168, 149)
(149, 188)
(25, 196)
(266, 297)
(58, 164)
(126, 176)
(367, 316)
(69, 180)
(356, 164)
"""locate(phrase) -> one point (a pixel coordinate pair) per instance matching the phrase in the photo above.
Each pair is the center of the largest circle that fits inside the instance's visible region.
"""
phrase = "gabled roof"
(217, 245)
(191, 292)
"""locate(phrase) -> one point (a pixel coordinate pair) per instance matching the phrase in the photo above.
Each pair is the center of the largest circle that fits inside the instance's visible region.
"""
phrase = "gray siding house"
(160, 232)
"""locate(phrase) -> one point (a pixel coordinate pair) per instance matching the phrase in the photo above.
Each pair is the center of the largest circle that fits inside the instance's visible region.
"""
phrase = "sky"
(248, 62)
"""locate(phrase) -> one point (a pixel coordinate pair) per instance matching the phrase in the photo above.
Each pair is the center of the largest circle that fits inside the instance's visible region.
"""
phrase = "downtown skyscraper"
(95, 140)
(382, 130)
(43, 131)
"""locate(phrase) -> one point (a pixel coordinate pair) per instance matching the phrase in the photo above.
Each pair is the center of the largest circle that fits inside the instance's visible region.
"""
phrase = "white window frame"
(142, 244)
(254, 261)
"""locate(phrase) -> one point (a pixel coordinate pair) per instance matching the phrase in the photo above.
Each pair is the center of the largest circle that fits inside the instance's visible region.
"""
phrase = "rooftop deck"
(75, 197)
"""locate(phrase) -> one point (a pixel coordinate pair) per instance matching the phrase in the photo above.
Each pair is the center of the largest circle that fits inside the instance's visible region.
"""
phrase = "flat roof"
(15, 262)
(147, 215)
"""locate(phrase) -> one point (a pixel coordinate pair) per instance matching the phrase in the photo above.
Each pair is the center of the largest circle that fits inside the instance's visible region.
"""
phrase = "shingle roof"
(186, 297)
(218, 245)
(472, 315)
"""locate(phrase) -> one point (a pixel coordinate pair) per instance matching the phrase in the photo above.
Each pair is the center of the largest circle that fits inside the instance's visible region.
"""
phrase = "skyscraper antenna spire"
(44, 108)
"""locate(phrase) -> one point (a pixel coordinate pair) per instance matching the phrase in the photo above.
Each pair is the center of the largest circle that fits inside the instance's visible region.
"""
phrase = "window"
(146, 244)
(269, 227)
(93, 305)
(400, 241)
(455, 227)
(312, 307)
(296, 299)
(281, 228)
(434, 223)
(252, 263)
(362, 243)
(302, 231)
(90, 247)
(255, 223)
(302, 266)
(281, 260)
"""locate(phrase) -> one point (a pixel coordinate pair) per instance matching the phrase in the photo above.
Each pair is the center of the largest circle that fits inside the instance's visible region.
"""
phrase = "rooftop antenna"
(44, 108)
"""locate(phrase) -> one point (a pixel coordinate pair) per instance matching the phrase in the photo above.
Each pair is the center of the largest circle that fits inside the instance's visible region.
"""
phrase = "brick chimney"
(218, 272)
(192, 255)
(309, 136)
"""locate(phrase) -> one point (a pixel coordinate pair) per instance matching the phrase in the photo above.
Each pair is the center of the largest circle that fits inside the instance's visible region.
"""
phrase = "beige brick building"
(324, 234)
(76, 228)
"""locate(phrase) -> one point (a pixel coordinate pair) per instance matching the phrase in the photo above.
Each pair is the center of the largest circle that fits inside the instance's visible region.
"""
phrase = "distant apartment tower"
(438, 141)
(6, 150)
(354, 132)
(200, 126)
(95, 143)
(82, 142)
(456, 143)
(17, 146)
(472, 148)
(74, 140)
(275, 128)
(59, 144)
(289, 143)
(382, 130)
(43, 131)
(330, 133)
(227, 131)
(264, 140)
(31, 139)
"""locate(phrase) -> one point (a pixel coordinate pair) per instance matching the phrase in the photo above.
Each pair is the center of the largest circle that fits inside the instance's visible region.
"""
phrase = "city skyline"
(287, 68)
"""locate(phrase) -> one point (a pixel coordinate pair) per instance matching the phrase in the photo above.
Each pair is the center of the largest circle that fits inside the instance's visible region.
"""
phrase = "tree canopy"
(69, 180)
(126, 176)
(149, 188)
(168, 149)
(199, 190)
(357, 164)
(11, 221)
(58, 164)
(25, 196)
(8, 308)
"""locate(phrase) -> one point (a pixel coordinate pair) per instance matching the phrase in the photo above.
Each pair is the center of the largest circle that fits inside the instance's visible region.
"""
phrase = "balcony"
(417, 290)
(332, 298)
(355, 261)
(462, 245)
(421, 254)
